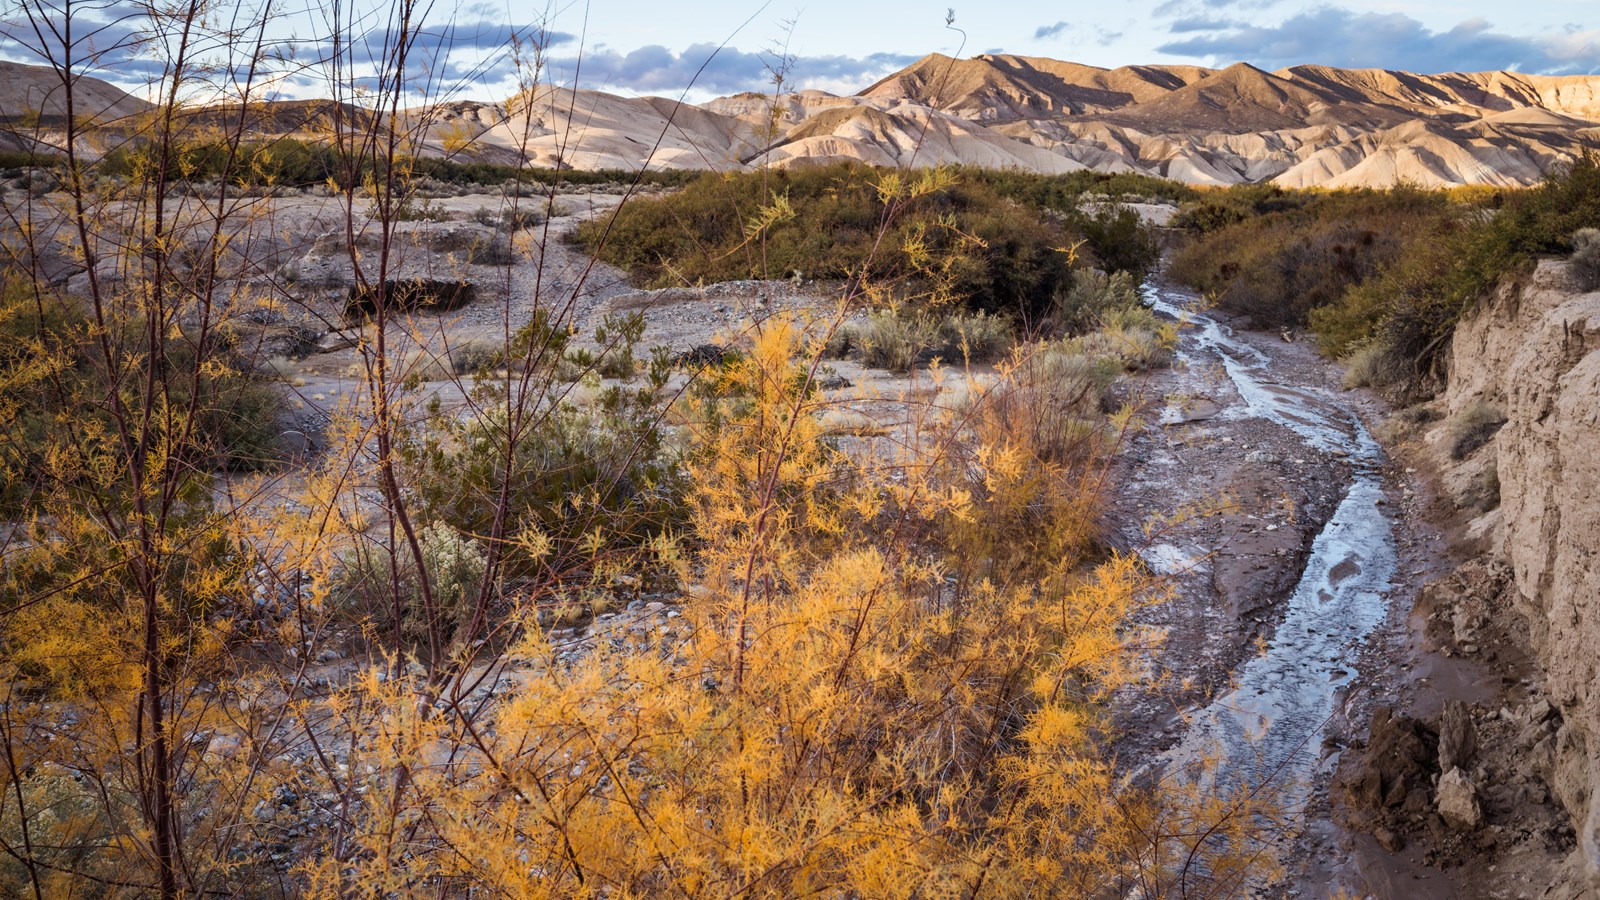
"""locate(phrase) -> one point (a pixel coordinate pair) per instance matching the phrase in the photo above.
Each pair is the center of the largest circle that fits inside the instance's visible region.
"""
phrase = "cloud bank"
(1342, 37)
(702, 67)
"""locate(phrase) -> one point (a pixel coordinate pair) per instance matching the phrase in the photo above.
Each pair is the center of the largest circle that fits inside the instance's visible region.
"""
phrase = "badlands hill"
(1303, 126)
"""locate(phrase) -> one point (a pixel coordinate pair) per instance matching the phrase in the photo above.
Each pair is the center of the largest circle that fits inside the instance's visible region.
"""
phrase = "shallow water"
(1268, 729)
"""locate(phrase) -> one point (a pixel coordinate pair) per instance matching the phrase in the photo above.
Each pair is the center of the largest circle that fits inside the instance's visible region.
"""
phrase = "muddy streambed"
(1269, 726)
(1279, 594)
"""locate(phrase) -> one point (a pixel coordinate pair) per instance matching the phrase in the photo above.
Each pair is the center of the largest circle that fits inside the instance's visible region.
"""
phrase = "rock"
(339, 340)
(1458, 736)
(1389, 840)
(829, 380)
(1387, 782)
(700, 356)
(1458, 801)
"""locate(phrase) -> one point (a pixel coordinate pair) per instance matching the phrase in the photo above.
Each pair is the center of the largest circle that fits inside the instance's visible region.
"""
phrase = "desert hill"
(1303, 126)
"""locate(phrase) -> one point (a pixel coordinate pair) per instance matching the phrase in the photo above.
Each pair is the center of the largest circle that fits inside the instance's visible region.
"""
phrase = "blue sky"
(714, 47)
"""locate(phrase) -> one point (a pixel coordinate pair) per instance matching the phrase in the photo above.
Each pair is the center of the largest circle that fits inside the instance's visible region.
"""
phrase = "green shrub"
(1120, 241)
(579, 473)
(975, 337)
(959, 240)
(897, 339)
(1092, 294)
(1065, 193)
(455, 566)
(1133, 336)
(617, 335)
(1217, 209)
(294, 163)
(1277, 266)
(474, 357)
(1473, 427)
(1413, 305)
(1586, 257)
(893, 340)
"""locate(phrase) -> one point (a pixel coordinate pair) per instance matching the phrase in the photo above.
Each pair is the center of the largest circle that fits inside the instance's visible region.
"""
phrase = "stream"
(1269, 726)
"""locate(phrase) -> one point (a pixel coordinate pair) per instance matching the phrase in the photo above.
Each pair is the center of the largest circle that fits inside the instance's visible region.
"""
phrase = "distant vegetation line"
(290, 162)
(1006, 241)
(1381, 276)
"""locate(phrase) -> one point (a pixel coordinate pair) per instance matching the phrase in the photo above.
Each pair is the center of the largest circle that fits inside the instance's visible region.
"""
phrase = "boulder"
(1458, 801)
(1458, 736)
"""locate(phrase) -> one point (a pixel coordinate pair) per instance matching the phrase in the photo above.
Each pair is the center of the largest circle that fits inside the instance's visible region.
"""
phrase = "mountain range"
(1305, 126)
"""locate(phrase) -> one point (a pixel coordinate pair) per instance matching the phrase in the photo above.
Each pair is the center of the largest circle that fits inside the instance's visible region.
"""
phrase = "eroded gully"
(1282, 593)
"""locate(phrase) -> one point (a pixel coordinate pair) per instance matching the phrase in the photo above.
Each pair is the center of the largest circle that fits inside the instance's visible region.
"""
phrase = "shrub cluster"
(1275, 256)
(1382, 274)
(897, 339)
(55, 421)
(290, 162)
(838, 222)
(1409, 310)
(1065, 193)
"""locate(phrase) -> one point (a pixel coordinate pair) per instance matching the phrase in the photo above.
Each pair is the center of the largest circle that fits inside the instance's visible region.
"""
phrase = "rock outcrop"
(1533, 350)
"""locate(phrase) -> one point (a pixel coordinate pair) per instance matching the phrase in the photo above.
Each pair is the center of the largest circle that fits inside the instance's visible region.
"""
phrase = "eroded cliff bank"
(1515, 444)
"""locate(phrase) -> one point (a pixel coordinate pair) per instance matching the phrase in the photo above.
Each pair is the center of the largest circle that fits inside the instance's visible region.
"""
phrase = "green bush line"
(1387, 273)
(295, 163)
(995, 252)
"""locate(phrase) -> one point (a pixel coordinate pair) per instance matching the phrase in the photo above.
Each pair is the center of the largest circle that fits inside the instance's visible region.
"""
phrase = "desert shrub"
(1473, 427)
(1048, 402)
(974, 337)
(617, 335)
(579, 477)
(1279, 266)
(1412, 306)
(613, 354)
(54, 416)
(1214, 210)
(1586, 257)
(1372, 366)
(1133, 336)
(415, 208)
(474, 357)
(1092, 294)
(453, 565)
(893, 340)
(924, 234)
(496, 250)
(520, 218)
(292, 162)
(15, 162)
(897, 339)
(1119, 240)
(1066, 193)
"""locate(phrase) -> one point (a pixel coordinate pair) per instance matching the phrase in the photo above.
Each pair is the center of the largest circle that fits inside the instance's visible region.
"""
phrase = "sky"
(708, 48)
